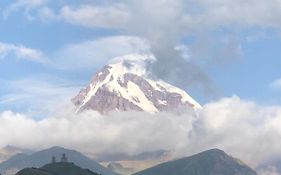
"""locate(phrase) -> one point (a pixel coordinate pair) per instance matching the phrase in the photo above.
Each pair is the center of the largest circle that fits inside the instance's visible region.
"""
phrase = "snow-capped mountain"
(123, 85)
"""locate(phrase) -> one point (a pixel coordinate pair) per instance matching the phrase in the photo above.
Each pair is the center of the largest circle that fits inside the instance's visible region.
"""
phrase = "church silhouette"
(63, 159)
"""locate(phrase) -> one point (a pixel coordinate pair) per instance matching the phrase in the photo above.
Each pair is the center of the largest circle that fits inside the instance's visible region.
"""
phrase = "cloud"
(134, 17)
(37, 95)
(242, 128)
(125, 131)
(276, 84)
(25, 5)
(46, 14)
(248, 13)
(268, 171)
(96, 53)
(111, 16)
(163, 37)
(21, 52)
(192, 15)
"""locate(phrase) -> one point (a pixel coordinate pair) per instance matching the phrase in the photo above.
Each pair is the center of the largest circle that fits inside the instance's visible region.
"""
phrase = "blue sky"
(50, 49)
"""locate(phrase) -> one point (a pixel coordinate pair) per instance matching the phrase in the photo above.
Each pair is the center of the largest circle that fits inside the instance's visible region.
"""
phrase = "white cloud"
(46, 14)
(21, 52)
(247, 13)
(114, 15)
(94, 53)
(241, 128)
(37, 95)
(12, 98)
(25, 5)
(92, 132)
(276, 84)
(191, 15)
(268, 171)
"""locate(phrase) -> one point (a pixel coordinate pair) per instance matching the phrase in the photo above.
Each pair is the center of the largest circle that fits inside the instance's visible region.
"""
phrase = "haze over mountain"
(129, 164)
(43, 157)
(273, 166)
(211, 162)
(120, 169)
(124, 85)
(8, 151)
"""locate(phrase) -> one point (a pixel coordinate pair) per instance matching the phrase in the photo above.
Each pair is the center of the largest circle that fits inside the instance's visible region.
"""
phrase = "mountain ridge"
(43, 157)
(210, 162)
(9, 151)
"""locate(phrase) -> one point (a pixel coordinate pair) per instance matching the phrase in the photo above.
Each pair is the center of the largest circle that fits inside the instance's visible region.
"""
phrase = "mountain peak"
(123, 85)
(209, 162)
(215, 151)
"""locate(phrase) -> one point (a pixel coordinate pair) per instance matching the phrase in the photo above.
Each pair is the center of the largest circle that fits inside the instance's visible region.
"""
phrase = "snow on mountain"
(123, 85)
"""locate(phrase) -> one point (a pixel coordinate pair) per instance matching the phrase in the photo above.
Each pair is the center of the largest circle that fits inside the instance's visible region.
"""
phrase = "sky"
(224, 53)
(57, 46)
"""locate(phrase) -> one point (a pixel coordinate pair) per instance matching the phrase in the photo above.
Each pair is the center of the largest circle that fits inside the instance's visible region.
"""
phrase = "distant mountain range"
(38, 159)
(8, 151)
(211, 162)
(160, 154)
(120, 169)
(133, 163)
(124, 86)
(60, 168)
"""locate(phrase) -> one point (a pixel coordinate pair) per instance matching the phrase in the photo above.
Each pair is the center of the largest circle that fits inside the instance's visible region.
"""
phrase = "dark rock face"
(212, 162)
(111, 90)
(97, 78)
(172, 100)
(106, 101)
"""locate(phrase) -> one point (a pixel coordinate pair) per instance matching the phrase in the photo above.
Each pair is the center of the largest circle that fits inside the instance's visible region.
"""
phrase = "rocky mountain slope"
(124, 85)
(211, 162)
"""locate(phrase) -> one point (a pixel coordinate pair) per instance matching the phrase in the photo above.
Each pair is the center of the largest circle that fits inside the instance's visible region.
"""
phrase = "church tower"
(64, 158)
(54, 159)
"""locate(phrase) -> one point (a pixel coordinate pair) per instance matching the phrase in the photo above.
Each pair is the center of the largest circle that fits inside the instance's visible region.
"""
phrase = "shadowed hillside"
(61, 168)
(211, 162)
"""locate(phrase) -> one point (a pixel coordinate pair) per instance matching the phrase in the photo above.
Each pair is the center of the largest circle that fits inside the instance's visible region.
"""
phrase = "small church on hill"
(63, 159)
